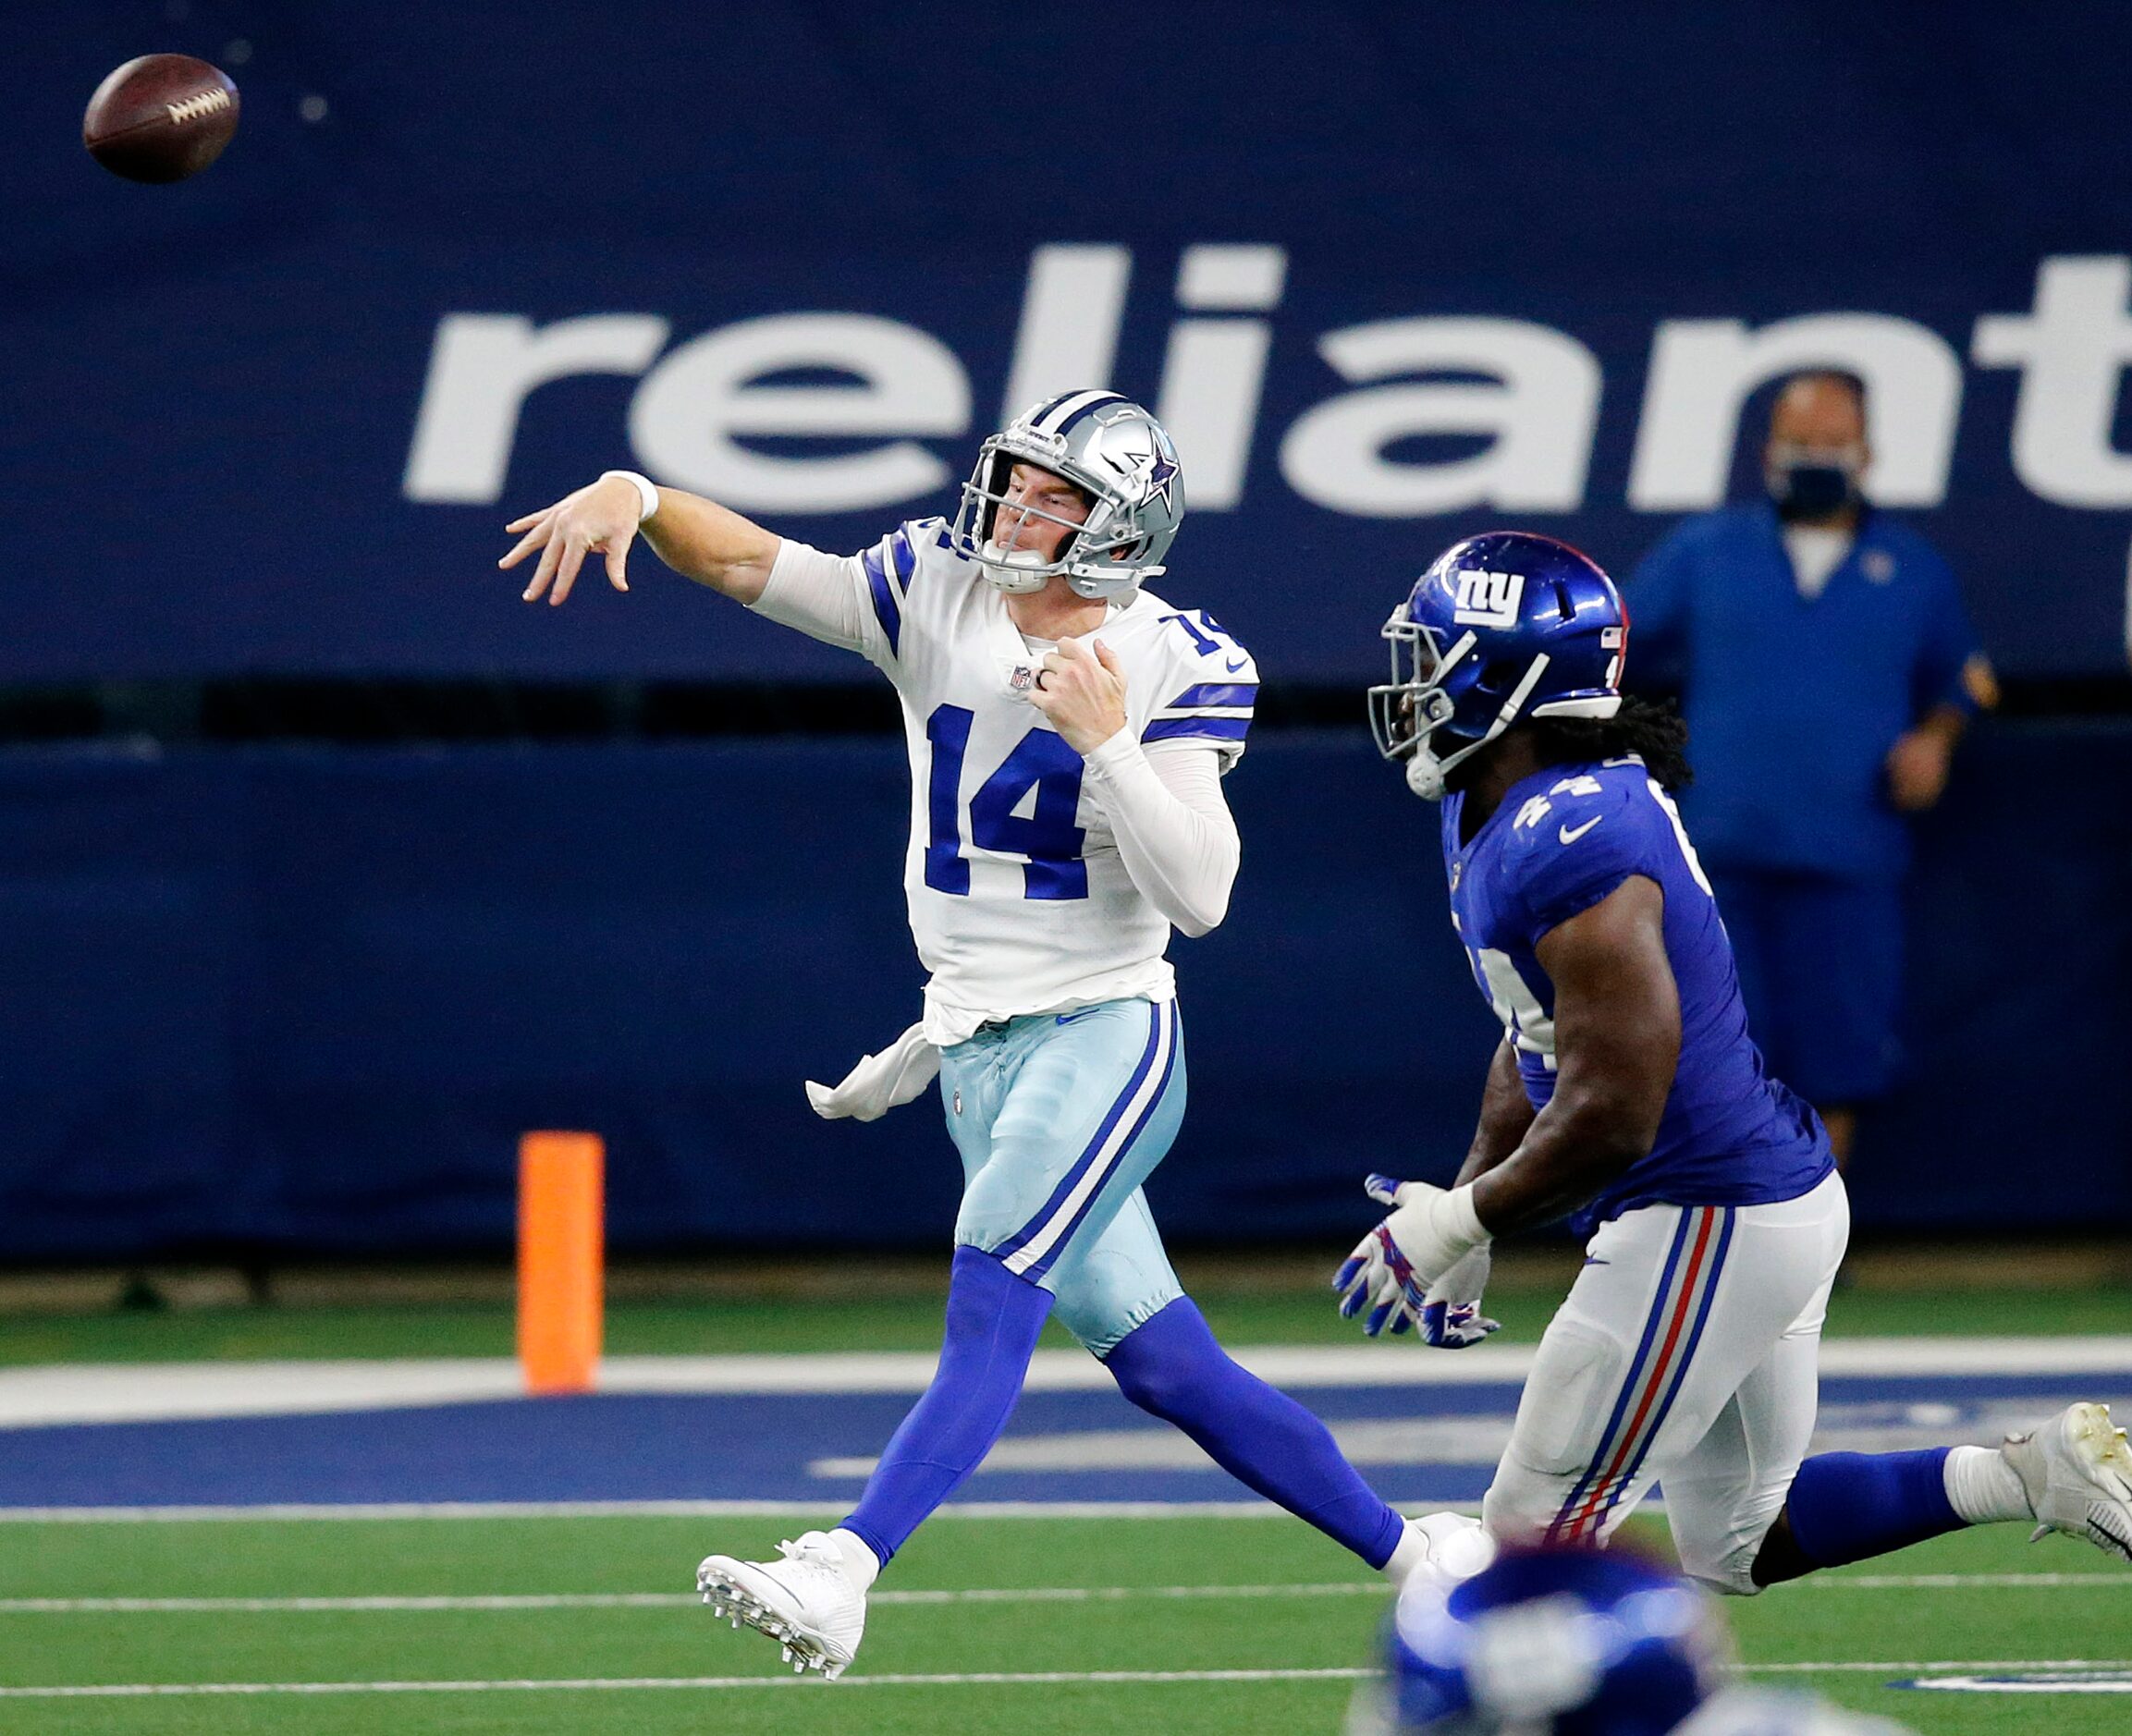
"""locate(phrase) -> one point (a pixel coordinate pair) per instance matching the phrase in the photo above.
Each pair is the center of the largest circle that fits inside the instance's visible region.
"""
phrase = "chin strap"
(1426, 771)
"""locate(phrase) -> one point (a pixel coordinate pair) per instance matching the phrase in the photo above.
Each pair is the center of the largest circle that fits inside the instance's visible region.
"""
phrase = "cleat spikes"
(807, 1602)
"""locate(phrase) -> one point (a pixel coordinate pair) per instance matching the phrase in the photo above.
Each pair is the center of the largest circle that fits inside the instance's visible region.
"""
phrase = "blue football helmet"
(1505, 624)
(1553, 1643)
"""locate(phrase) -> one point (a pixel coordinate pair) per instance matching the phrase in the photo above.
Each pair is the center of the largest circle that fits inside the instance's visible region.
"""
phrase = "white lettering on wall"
(1071, 312)
(687, 411)
(482, 366)
(2072, 351)
(1539, 415)
(1703, 371)
(1215, 369)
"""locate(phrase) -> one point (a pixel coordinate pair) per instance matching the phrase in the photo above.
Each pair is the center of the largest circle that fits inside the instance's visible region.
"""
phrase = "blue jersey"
(1561, 840)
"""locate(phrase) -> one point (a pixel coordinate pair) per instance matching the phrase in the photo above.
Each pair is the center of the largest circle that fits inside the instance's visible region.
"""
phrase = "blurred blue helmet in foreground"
(1505, 624)
(1568, 1643)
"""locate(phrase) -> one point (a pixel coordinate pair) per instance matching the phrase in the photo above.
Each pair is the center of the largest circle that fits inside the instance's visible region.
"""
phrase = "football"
(160, 118)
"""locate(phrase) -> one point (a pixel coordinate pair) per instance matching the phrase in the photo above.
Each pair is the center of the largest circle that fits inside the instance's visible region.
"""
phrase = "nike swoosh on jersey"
(1570, 835)
(1237, 664)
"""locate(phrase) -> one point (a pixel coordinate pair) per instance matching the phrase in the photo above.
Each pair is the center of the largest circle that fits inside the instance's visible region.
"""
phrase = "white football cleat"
(2077, 1472)
(1440, 1547)
(807, 1602)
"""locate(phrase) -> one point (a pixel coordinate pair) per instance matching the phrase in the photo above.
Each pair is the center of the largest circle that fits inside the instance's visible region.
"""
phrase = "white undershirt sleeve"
(1174, 829)
(819, 595)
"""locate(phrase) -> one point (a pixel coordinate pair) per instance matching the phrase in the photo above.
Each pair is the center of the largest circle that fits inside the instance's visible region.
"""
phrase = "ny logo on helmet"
(1487, 599)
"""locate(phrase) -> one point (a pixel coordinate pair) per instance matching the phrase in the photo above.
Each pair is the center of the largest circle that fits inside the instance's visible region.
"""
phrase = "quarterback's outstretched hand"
(1394, 1268)
(601, 516)
(1083, 692)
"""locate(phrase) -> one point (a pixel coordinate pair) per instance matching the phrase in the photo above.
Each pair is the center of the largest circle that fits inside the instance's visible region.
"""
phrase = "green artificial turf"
(902, 1323)
(1839, 1621)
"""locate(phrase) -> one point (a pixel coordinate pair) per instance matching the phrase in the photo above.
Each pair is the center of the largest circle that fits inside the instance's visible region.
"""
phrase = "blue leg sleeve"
(1845, 1507)
(1171, 1367)
(993, 1321)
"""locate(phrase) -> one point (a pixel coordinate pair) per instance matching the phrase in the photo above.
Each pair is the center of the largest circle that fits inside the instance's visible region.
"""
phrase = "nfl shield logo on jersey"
(1487, 599)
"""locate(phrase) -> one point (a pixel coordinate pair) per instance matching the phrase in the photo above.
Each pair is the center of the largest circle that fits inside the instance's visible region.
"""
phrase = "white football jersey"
(1019, 900)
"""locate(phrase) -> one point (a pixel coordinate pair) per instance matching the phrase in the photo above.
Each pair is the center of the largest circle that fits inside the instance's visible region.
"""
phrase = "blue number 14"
(1046, 835)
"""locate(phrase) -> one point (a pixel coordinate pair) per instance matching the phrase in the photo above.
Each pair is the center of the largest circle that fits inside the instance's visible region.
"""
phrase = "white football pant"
(1685, 1354)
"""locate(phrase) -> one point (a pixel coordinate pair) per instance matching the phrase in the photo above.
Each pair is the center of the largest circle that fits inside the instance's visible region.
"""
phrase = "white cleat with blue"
(807, 1602)
(2077, 1470)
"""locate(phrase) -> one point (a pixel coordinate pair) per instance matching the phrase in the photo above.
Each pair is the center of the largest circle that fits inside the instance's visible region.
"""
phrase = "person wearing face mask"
(1826, 667)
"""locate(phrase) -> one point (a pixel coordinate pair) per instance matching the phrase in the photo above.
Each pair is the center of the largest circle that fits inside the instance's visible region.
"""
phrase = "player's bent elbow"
(1194, 920)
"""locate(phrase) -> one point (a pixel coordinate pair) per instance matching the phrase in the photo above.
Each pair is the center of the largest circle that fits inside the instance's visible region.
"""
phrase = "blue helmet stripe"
(1076, 417)
(1051, 407)
(1062, 412)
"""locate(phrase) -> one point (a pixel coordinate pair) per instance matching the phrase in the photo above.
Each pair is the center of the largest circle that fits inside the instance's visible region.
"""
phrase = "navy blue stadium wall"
(308, 1000)
(1391, 272)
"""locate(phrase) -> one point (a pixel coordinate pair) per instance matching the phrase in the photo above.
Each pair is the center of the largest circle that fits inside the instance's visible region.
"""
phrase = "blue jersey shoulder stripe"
(904, 559)
(1216, 693)
(1221, 729)
(884, 595)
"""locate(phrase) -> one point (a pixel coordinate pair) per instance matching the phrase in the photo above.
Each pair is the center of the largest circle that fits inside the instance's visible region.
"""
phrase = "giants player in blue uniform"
(1628, 1096)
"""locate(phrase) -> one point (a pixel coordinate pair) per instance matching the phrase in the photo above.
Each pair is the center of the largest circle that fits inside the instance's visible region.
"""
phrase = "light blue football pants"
(1058, 1118)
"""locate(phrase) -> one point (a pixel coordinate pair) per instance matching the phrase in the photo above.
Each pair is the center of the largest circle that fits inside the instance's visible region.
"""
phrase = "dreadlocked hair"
(1656, 733)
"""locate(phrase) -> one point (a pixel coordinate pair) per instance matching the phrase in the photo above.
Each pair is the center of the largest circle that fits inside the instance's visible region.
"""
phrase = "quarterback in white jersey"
(1068, 732)
(1026, 896)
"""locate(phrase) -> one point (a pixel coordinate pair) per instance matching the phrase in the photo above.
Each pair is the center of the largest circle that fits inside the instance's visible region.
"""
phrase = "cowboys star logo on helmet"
(1118, 456)
(1126, 443)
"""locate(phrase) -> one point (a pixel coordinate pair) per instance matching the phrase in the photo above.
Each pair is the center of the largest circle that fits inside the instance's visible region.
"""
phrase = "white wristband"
(647, 490)
(1462, 1220)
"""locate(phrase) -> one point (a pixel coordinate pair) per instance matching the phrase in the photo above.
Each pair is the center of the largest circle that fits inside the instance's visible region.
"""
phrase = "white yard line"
(1968, 1664)
(988, 1679)
(661, 1600)
(609, 1684)
(980, 1594)
(1962, 1582)
(309, 1511)
(48, 1395)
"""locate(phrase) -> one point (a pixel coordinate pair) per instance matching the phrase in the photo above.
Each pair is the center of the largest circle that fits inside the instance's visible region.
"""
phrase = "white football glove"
(1393, 1269)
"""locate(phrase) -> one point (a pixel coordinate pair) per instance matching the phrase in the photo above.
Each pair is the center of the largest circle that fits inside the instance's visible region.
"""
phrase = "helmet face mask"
(1503, 627)
(1118, 456)
(1406, 712)
(1020, 569)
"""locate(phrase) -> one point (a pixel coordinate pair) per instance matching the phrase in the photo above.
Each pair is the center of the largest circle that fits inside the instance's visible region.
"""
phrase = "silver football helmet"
(1108, 447)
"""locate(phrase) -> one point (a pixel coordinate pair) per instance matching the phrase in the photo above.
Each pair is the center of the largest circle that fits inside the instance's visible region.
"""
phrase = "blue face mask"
(1807, 486)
